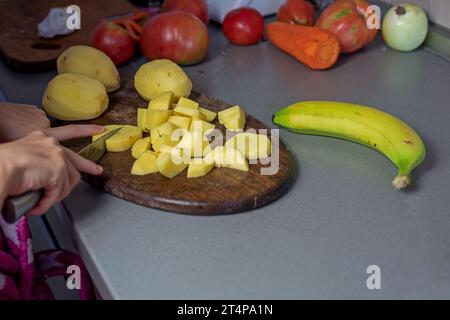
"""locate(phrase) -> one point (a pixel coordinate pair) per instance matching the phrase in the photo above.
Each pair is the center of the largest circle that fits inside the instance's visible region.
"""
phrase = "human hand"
(18, 120)
(38, 161)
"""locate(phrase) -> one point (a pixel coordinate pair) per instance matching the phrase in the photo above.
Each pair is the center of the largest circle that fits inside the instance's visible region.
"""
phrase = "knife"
(16, 207)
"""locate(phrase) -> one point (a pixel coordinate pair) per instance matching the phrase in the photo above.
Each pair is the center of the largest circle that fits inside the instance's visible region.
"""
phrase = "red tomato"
(347, 20)
(297, 12)
(243, 26)
(175, 35)
(114, 41)
(198, 8)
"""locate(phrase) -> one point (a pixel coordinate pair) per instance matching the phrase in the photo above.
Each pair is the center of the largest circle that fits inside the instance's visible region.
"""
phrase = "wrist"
(6, 177)
(7, 166)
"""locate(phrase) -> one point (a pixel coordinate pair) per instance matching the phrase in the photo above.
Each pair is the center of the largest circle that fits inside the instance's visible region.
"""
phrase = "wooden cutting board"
(21, 46)
(222, 191)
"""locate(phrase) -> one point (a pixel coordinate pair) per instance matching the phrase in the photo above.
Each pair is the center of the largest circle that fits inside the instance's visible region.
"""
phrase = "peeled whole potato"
(161, 75)
(72, 97)
(90, 62)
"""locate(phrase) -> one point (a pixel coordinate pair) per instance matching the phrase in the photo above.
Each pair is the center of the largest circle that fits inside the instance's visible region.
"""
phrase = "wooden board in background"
(24, 50)
(222, 191)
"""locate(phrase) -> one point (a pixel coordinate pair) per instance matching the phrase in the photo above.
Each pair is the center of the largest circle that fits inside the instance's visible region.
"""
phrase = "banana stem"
(401, 181)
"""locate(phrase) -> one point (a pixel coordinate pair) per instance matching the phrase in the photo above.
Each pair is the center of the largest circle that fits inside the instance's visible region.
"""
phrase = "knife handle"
(16, 207)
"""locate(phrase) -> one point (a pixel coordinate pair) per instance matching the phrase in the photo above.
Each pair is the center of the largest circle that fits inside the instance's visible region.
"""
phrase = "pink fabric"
(23, 274)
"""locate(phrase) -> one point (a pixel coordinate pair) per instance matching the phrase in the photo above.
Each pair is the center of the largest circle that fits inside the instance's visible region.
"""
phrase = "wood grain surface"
(222, 191)
(20, 44)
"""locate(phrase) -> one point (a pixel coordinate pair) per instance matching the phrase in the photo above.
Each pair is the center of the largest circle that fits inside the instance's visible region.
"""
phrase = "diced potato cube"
(124, 139)
(188, 112)
(166, 128)
(154, 136)
(199, 168)
(181, 121)
(203, 126)
(108, 128)
(234, 159)
(165, 148)
(208, 114)
(156, 118)
(228, 158)
(162, 102)
(163, 140)
(194, 144)
(216, 156)
(253, 146)
(145, 164)
(142, 118)
(167, 167)
(230, 114)
(198, 116)
(188, 103)
(140, 146)
(236, 124)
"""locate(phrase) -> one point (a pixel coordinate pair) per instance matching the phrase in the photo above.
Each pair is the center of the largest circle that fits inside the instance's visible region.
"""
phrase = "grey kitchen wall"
(438, 10)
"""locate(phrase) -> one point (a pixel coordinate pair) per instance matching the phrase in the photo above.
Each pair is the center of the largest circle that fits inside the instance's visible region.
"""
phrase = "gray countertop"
(340, 216)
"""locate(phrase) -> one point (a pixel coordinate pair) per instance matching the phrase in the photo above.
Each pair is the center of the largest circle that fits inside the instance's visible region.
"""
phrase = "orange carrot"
(314, 47)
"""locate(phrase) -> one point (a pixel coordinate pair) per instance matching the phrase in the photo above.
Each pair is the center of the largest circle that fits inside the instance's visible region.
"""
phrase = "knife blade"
(17, 206)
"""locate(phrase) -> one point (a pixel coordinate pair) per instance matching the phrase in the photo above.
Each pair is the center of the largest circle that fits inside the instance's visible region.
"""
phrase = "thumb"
(73, 131)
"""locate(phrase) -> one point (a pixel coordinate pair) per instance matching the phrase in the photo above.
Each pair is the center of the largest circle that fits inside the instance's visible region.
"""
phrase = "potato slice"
(145, 164)
(167, 167)
(228, 158)
(156, 118)
(203, 126)
(124, 139)
(188, 103)
(208, 114)
(181, 121)
(108, 127)
(142, 118)
(162, 102)
(140, 146)
(252, 145)
(199, 168)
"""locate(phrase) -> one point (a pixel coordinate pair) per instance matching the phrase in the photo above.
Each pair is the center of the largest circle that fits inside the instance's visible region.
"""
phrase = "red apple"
(198, 8)
(347, 19)
(243, 26)
(175, 35)
(297, 12)
(113, 40)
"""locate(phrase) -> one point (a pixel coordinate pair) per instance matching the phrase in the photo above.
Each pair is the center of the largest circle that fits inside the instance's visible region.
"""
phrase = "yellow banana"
(365, 125)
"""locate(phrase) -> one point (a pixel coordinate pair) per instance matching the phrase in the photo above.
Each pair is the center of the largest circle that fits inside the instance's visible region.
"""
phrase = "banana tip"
(401, 182)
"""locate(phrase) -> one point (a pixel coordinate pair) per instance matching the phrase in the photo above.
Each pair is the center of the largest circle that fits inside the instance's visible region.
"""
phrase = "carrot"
(314, 47)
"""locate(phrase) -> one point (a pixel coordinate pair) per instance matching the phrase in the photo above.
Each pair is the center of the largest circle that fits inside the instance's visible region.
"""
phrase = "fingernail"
(99, 169)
